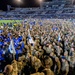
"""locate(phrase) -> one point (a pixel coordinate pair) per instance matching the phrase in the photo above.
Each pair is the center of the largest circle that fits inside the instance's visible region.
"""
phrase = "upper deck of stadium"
(55, 9)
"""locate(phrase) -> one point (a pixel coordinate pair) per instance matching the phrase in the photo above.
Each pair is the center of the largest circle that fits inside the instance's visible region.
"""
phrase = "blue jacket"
(1, 57)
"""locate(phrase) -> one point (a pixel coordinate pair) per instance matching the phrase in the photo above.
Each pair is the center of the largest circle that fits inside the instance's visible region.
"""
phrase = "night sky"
(26, 3)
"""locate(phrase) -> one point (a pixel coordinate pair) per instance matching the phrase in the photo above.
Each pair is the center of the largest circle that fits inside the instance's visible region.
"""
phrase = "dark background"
(26, 3)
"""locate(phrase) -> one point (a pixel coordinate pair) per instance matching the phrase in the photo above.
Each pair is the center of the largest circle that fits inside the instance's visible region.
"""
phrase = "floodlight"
(40, 1)
(19, 1)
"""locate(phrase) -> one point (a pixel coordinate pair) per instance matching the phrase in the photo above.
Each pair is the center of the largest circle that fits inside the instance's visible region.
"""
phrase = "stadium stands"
(58, 7)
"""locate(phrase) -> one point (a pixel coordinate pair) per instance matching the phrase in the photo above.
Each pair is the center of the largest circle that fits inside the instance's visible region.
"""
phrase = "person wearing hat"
(65, 66)
(66, 55)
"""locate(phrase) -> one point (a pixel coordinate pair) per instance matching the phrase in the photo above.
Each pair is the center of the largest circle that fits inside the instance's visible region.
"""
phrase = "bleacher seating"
(54, 9)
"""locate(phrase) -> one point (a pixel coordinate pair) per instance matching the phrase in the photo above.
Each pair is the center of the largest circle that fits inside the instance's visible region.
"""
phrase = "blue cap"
(63, 57)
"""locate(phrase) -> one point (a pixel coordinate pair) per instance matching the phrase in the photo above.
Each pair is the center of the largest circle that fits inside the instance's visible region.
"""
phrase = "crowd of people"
(40, 49)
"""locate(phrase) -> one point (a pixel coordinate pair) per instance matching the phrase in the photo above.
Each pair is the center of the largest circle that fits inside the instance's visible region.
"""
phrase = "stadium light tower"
(18, 2)
(40, 2)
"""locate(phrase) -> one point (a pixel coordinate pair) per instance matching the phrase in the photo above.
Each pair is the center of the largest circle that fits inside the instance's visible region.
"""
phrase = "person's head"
(47, 44)
(53, 43)
(8, 69)
(40, 47)
(66, 53)
(72, 49)
(63, 58)
(52, 54)
(11, 37)
(56, 59)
